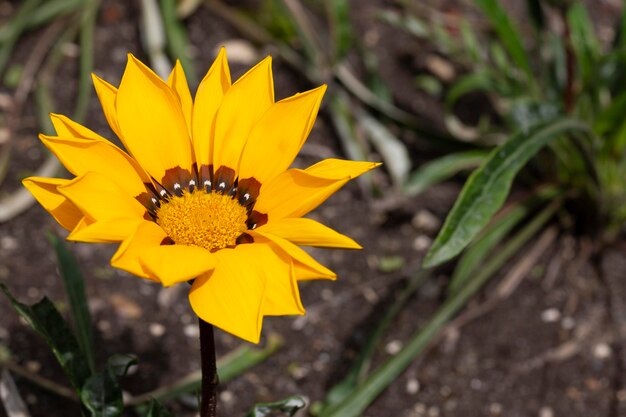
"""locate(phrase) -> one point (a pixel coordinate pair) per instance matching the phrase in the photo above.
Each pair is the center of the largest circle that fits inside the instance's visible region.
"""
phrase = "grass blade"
(75, 289)
(379, 380)
(358, 371)
(177, 42)
(441, 169)
(508, 34)
(228, 368)
(487, 188)
(10, 396)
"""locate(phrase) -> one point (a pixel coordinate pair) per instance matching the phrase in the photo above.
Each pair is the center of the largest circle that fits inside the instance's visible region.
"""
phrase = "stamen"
(154, 200)
(177, 186)
(246, 196)
(192, 182)
(162, 193)
(206, 219)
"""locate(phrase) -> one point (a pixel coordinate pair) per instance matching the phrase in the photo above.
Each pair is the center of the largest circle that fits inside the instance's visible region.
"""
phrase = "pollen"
(209, 220)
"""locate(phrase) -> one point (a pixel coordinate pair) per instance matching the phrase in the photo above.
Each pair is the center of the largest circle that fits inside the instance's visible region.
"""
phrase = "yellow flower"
(204, 192)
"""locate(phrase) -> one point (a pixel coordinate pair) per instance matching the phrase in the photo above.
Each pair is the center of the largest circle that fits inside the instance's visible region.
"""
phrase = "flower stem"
(208, 398)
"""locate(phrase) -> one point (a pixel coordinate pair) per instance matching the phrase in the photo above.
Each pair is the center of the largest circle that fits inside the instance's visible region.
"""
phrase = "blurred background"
(429, 88)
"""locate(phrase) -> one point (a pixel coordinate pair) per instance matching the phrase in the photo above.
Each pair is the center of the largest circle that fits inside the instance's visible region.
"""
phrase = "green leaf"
(45, 319)
(487, 188)
(289, 406)
(156, 409)
(102, 395)
(358, 401)
(475, 255)
(441, 169)
(75, 289)
(508, 34)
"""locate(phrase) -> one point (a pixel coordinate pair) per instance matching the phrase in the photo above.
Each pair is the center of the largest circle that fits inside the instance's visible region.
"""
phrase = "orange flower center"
(210, 220)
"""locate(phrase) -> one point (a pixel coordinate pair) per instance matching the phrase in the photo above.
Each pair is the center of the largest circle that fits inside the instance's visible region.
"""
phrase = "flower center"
(210, 220)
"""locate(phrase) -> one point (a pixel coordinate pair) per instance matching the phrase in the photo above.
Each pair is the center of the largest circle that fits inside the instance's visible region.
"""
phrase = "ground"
(555, 347)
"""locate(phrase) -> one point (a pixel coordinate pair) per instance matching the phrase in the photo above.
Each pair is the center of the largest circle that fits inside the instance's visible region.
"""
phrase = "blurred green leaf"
(14, 28)
(340, 27)
(508, 34)
(479, 80)
(44, 318)
(120, 363)
(75, 289)
(156, 409)
(357, 402)
(289, 406)
(52, 9)
(441, 169)
(393, 152)
(487, 188)
(535, 13)
(584, 41)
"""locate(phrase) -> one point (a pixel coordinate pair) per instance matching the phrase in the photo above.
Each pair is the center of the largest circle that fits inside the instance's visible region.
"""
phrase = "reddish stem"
(210, 380)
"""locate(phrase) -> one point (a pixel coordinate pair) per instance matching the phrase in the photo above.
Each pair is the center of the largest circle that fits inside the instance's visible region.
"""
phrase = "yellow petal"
(232, 296)
(208, 99)
(107, 94)
(243, 105)
(305, 267)
(45, 192)
(282, 296)
(67, 128)
(84, 155)
(101, 199)
(173, 264)
(152, 121)
(335, 169)
(148, 234)
(277, 137)
(308, 232)
(178, 83)
(104, 231)
(296, 192)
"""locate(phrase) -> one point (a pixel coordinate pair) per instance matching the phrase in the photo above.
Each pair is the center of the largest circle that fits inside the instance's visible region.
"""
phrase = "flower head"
(205, 192)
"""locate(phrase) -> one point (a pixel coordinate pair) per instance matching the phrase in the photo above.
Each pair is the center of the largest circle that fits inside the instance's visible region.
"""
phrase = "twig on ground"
(39, 380)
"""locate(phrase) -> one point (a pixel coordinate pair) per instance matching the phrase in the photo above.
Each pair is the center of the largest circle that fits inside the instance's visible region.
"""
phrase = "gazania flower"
(204, 192)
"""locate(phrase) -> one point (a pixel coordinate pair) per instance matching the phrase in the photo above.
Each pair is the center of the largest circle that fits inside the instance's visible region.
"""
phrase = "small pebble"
(495, 409)
(550, 315)
(227, 396)
(191, 330)
(412, 386)
(602, 351)
(393, 347)
(568, 323)
(425, 221)
(422, 243)
(157, 329)
(546, 412)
